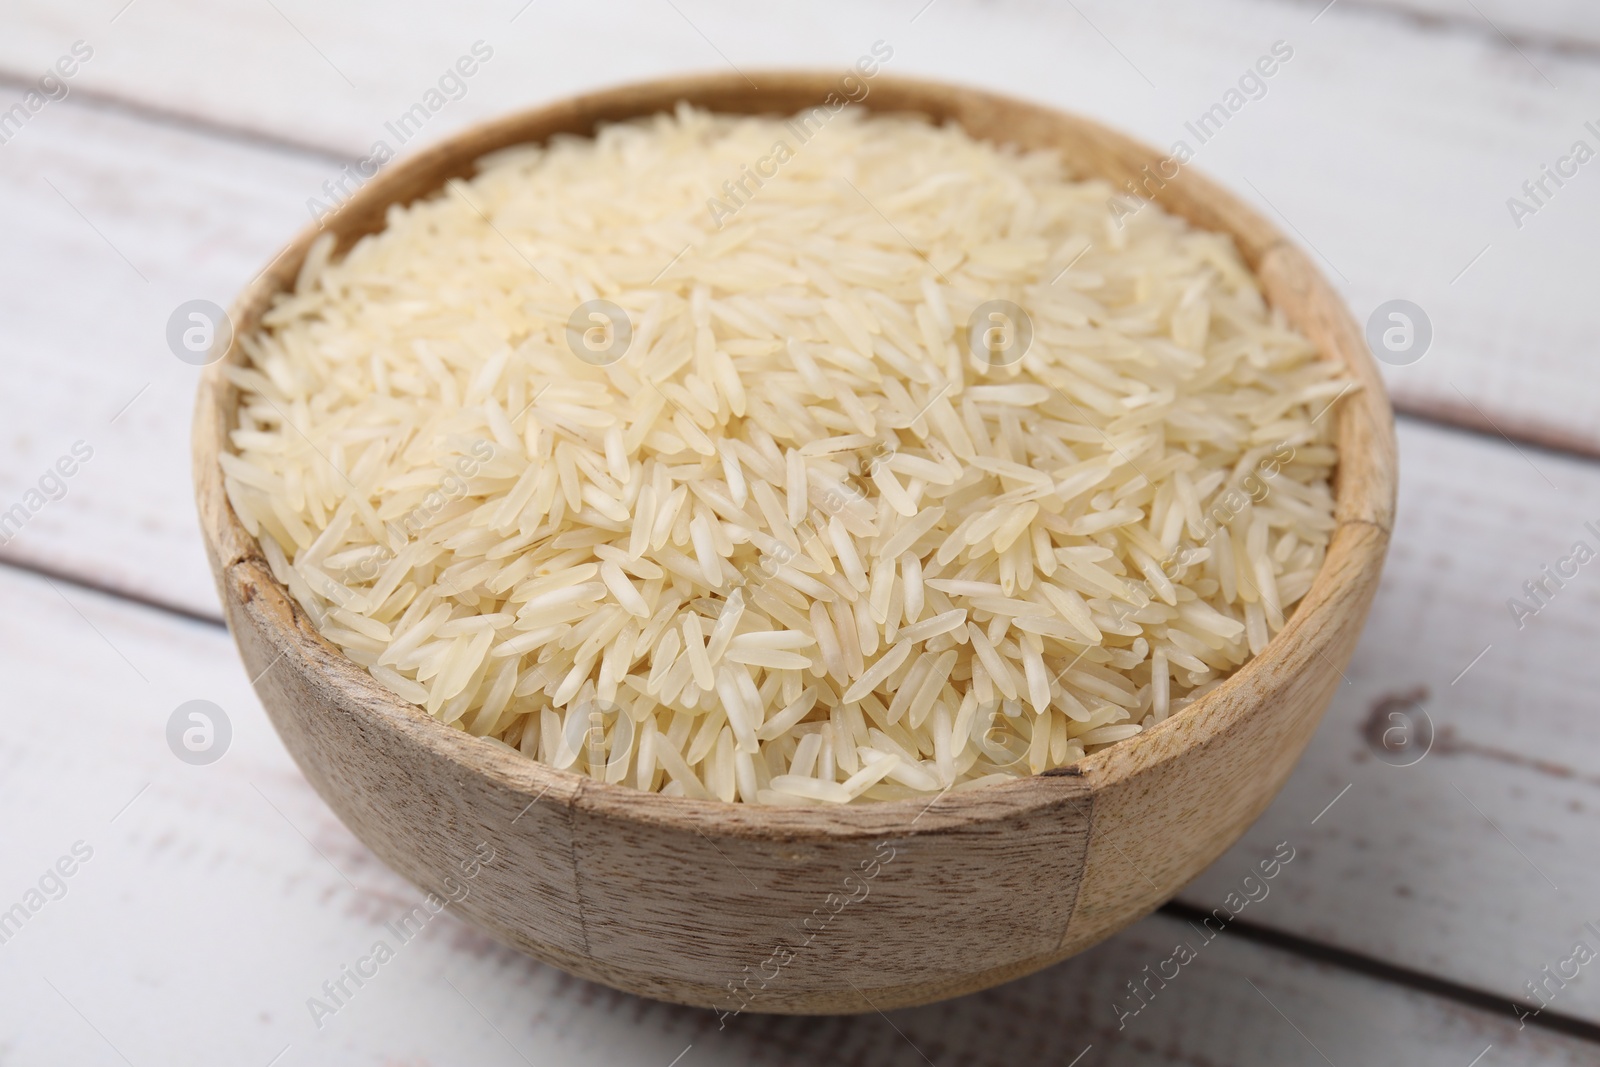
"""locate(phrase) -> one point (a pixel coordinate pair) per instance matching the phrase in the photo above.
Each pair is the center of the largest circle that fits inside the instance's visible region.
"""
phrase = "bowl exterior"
(738, 908)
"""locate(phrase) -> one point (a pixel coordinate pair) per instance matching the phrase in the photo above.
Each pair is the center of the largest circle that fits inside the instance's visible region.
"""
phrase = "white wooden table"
(1424, 901)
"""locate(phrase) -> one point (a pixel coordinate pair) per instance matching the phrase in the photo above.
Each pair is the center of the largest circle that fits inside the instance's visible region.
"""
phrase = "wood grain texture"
(1006, 861)
(218, 902)
(199, 214)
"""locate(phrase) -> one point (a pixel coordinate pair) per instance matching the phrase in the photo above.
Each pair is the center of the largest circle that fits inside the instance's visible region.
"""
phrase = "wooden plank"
(111, 224)
(1408, 136)
(1472, 857)
(217, 899)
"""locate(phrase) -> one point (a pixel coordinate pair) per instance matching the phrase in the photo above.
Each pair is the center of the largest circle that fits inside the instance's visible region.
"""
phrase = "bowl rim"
(1364, 478)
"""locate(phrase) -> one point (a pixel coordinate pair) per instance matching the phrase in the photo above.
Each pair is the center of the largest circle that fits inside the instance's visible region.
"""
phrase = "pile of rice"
(803, 542)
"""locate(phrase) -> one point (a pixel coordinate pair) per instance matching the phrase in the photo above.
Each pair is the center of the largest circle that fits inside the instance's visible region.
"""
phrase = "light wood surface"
(221, 898)
(615, 886)
(1402, 138)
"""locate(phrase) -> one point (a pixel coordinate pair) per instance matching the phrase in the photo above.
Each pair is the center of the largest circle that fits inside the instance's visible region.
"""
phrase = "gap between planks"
(1466, 417)
(1392, 974)
(128, 107)
(1425, 18)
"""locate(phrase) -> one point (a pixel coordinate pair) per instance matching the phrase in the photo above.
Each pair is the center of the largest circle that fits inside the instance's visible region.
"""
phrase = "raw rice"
(800, 544)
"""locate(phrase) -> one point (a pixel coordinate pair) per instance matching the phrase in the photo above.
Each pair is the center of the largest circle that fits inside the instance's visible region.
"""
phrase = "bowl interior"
(1363, 482)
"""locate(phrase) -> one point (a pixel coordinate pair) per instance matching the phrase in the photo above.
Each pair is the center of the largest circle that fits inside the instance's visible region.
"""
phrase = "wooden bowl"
(811, 910)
